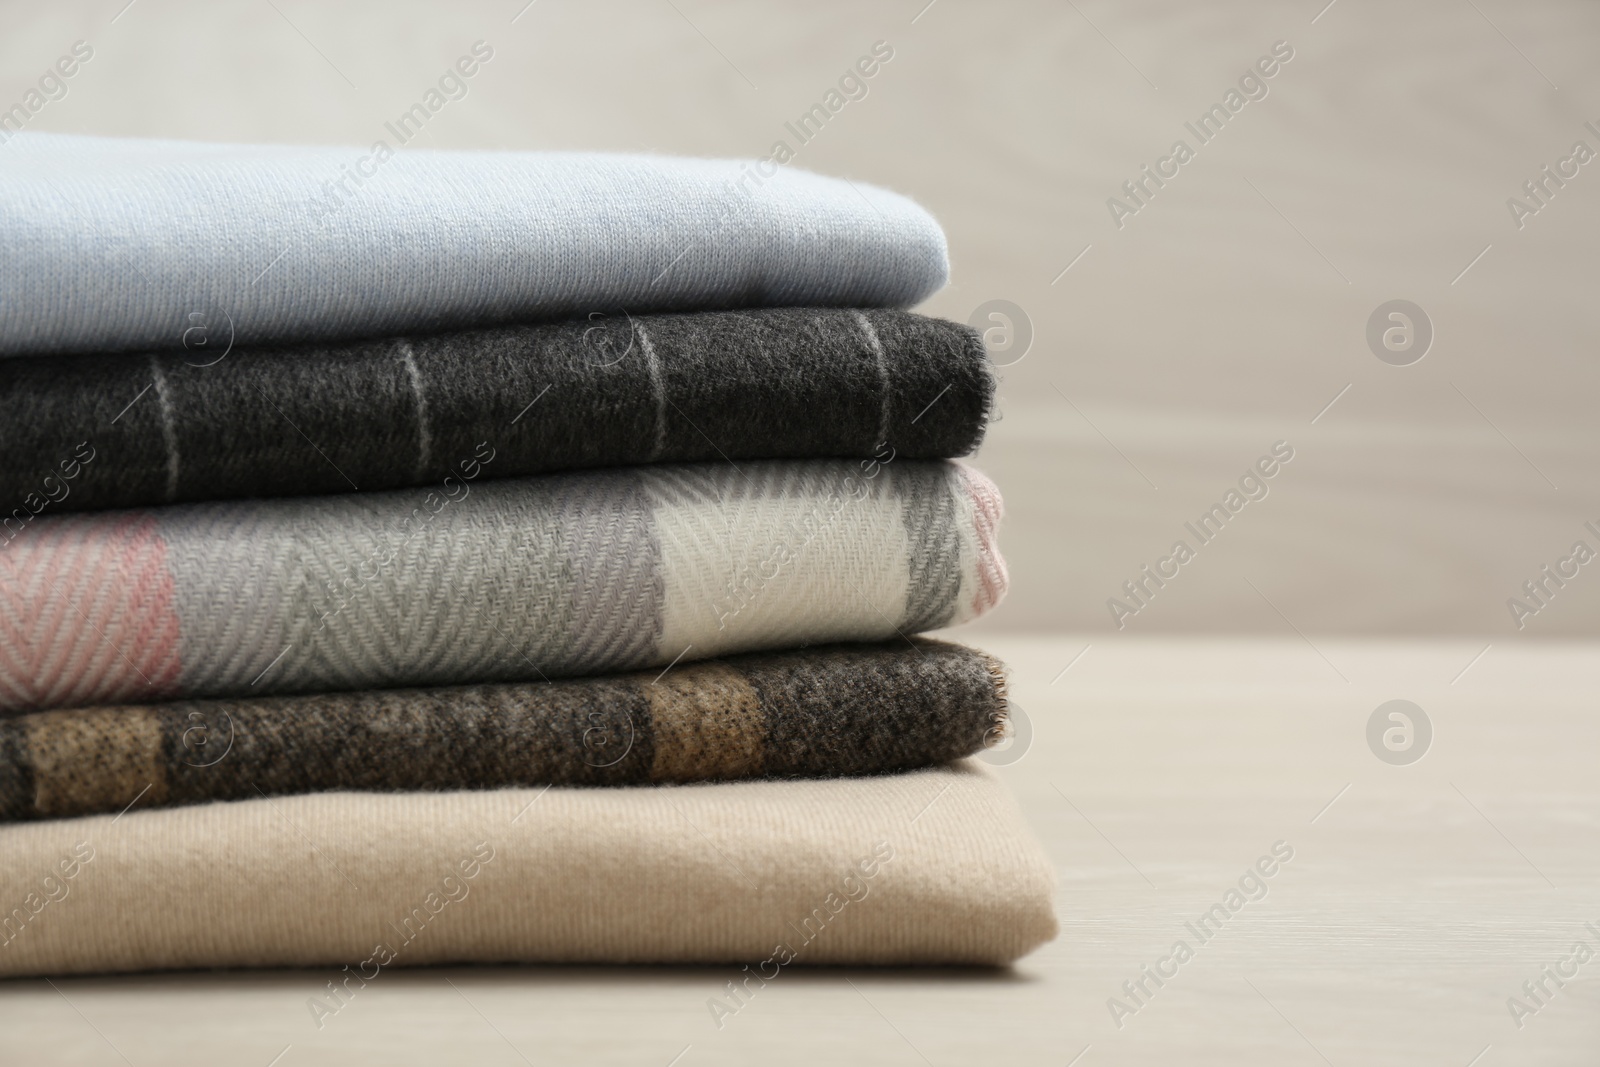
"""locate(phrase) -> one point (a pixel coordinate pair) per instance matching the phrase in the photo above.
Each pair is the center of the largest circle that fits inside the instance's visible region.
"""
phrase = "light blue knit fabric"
(114, 245)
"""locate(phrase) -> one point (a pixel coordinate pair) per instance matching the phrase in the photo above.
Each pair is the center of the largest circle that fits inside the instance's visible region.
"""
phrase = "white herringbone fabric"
(930, 867)
(512, 580)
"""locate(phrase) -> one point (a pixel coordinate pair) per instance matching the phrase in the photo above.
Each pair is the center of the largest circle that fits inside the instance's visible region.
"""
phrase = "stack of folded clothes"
(494, 557)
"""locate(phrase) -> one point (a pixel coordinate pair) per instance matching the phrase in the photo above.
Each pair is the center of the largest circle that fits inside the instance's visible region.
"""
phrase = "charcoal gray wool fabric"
(113, 245)
(604, 391)
(482, 581)
(827, 711)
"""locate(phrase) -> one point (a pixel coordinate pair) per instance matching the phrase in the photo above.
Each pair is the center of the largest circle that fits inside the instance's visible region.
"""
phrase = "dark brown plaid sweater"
(824, 711)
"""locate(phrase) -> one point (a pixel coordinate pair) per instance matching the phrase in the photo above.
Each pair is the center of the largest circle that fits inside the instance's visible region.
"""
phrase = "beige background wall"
(1222, 318)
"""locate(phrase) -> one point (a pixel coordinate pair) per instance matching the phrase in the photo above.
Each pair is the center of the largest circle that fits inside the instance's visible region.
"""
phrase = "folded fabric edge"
(838, 710)
(991, 578)
(875, 248)
(714, 873)
(283, 595)
(415, 409)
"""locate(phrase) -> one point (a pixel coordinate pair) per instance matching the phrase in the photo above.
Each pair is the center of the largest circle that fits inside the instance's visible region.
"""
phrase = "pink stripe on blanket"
(87, 613)
(987, 510)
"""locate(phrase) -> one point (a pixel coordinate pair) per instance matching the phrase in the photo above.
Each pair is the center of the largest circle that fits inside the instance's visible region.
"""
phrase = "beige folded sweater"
(930, 867)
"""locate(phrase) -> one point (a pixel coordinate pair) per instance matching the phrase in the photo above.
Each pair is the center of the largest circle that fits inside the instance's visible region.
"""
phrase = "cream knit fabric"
(931, 867)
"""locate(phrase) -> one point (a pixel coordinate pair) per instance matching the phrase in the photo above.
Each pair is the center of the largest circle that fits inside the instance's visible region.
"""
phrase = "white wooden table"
(1418, 900)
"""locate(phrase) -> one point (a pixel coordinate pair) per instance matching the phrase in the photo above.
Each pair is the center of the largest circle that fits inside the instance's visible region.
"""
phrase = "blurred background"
(1151, 353)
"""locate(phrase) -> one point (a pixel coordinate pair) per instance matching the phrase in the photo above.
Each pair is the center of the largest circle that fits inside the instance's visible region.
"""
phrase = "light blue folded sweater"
(115, 245)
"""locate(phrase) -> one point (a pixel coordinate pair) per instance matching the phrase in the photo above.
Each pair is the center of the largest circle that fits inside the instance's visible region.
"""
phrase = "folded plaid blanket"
(116, 245)
(512, 580)
(86, 432)
(928, 867)
(826, 711)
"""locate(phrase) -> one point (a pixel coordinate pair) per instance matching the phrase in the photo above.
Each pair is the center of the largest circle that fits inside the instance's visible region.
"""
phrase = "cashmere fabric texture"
(514, 580)
(405, 411)
(112, 245)
(826, 711)
(928, 867)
